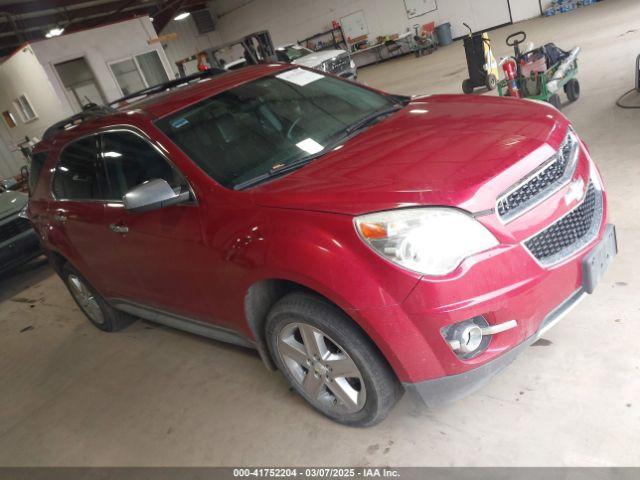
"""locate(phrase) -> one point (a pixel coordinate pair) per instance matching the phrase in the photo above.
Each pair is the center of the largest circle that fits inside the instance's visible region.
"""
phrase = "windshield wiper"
(363, 122)
(281, 169)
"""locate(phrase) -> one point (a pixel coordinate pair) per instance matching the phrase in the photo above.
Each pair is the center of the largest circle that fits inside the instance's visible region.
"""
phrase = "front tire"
(572, 89)
(329, 361)
(96, 309)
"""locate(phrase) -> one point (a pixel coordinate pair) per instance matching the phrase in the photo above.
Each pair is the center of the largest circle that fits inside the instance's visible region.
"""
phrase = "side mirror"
(152, 195)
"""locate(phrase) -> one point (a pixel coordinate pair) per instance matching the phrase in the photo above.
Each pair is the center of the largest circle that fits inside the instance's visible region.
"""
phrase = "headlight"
(429, 240)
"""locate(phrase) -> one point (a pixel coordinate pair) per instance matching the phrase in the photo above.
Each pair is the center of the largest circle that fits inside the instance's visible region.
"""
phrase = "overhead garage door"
(479, 14)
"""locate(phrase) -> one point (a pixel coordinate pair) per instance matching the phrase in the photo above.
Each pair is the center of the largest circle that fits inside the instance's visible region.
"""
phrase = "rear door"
(78, 227)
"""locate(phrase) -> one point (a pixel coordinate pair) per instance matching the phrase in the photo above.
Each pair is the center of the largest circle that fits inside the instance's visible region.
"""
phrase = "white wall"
(189, 41)
(22, 74)
(100, 46)
(291, 20)
(524, 9)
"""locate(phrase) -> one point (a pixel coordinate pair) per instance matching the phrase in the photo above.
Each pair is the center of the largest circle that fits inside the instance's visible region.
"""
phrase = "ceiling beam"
(20, 8)
(166, 13)
(98, 11)
(80, 18)
(112, 14)
(10, 43)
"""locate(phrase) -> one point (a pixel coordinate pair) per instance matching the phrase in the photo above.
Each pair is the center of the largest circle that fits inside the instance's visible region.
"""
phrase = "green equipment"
(540, 73)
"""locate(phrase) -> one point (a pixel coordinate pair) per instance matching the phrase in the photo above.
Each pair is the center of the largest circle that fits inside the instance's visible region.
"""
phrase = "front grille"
(13, 228)
(542, 183)
(569, 234)
(338, 64)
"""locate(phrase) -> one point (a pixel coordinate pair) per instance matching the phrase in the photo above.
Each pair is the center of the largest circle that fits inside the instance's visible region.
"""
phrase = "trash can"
(444, 34)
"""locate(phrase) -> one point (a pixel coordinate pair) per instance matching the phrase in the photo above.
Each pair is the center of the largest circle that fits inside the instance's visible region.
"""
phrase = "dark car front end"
(18, 241)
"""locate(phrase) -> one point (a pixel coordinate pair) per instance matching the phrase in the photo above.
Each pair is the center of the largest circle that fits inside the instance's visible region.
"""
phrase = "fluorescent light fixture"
(111, 155)
(310, 146)
(181, 16)
(54, 32)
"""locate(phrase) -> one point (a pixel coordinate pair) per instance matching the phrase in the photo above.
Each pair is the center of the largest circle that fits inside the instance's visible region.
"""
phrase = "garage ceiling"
(25, 21)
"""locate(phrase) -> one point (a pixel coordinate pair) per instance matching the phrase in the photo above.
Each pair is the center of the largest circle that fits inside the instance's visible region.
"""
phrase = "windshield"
(291, 53)
(264, 125)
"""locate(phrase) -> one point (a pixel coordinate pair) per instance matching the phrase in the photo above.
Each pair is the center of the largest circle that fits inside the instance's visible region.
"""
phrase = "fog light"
(471, 337)
(466, 338)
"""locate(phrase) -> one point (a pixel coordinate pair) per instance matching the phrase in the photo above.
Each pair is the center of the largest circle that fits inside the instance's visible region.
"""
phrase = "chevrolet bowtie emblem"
(575, 192)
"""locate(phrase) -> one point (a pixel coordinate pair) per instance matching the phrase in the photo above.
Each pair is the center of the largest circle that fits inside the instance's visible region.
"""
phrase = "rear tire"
(467, 86)
(491, 81)
(572, 89)
(329, 361)
(96, 309)
(555, 101)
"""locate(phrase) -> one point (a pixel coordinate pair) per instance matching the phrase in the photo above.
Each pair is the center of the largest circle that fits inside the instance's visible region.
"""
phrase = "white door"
(524, 9)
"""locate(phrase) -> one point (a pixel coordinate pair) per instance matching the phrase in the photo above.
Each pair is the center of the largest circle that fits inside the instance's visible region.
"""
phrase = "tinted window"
(263, 125)
(78, 173)
(130, 161)
(37, 161)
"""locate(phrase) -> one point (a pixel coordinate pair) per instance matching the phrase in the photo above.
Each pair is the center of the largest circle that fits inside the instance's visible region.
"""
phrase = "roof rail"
(168, 85)
(89, 112)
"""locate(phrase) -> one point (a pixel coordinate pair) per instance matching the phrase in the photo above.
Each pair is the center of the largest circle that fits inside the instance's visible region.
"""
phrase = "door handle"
(119, 228)
(60, 217)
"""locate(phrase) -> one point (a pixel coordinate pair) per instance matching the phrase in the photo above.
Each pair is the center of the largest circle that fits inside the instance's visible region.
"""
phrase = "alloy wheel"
(322, 368)
(85, 298)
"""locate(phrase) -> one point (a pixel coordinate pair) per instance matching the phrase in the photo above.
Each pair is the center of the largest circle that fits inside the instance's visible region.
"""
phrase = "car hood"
(316, 58)
(454, 150)
(11, 203)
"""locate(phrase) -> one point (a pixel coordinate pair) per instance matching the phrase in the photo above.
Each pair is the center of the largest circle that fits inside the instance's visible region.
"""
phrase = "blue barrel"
(444, 34)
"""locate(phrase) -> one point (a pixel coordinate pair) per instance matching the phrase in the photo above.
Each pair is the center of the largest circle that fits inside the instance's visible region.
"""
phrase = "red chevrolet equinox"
(364, 243)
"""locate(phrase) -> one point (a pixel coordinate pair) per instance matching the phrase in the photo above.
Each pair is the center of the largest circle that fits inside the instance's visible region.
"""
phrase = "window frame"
(46, 154)
(134, 57)
(11, 116)
(18, 105)
(116, 129)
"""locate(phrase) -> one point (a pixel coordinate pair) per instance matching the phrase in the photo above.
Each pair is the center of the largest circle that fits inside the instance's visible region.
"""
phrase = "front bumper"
(19, 249)
(441, 391)
(592, 263)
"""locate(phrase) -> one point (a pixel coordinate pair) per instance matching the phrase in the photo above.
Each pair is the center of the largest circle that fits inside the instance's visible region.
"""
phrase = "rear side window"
(78, 174)
(130, 161)
(37, 162)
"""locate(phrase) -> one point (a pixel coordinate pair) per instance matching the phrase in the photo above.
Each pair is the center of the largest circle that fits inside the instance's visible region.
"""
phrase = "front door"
(163, 248)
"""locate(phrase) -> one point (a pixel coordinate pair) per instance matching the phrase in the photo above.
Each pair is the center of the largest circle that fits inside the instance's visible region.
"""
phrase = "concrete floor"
(71, 395)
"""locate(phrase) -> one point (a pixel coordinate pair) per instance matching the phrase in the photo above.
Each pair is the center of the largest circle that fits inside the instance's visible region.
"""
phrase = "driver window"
(130, 161)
